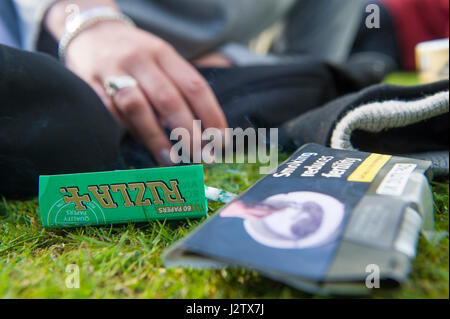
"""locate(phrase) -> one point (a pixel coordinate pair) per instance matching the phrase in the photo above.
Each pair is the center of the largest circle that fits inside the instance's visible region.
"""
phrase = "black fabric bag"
(409, 121)
(51, 122)
(267, 96)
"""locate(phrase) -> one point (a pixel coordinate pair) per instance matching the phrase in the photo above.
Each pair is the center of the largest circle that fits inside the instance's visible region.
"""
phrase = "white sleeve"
(31, 15)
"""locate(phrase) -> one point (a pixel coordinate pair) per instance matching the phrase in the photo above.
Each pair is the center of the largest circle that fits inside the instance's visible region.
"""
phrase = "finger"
(194, 88)
(139, 118)
(168, 103)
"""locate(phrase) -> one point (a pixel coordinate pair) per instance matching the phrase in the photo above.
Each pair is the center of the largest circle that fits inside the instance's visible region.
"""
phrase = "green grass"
(124, 261)
(402, 78)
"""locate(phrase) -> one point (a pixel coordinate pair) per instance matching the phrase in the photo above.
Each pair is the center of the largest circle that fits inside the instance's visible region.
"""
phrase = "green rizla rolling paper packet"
(113, 197)
(326, 221)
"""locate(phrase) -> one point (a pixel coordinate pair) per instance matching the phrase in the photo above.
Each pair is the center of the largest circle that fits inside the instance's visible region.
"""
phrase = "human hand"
(213, 60)
(170, 91)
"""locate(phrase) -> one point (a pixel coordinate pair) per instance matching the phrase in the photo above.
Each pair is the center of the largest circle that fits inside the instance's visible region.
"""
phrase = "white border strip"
(377, 116)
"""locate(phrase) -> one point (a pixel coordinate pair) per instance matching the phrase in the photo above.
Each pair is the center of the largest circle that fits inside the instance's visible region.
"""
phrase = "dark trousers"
(52, 122)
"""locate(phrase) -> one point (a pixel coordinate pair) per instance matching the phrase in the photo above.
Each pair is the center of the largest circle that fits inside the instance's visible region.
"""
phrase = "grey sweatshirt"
(193, 27)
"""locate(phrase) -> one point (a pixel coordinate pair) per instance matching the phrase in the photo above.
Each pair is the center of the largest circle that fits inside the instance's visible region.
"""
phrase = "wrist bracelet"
(85, 20)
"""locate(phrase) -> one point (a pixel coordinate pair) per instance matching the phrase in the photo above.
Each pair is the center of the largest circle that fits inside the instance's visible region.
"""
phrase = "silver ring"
(113, 84)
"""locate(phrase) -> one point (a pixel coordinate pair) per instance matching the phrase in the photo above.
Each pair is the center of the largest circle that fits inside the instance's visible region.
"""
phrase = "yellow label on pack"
(368, 169)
